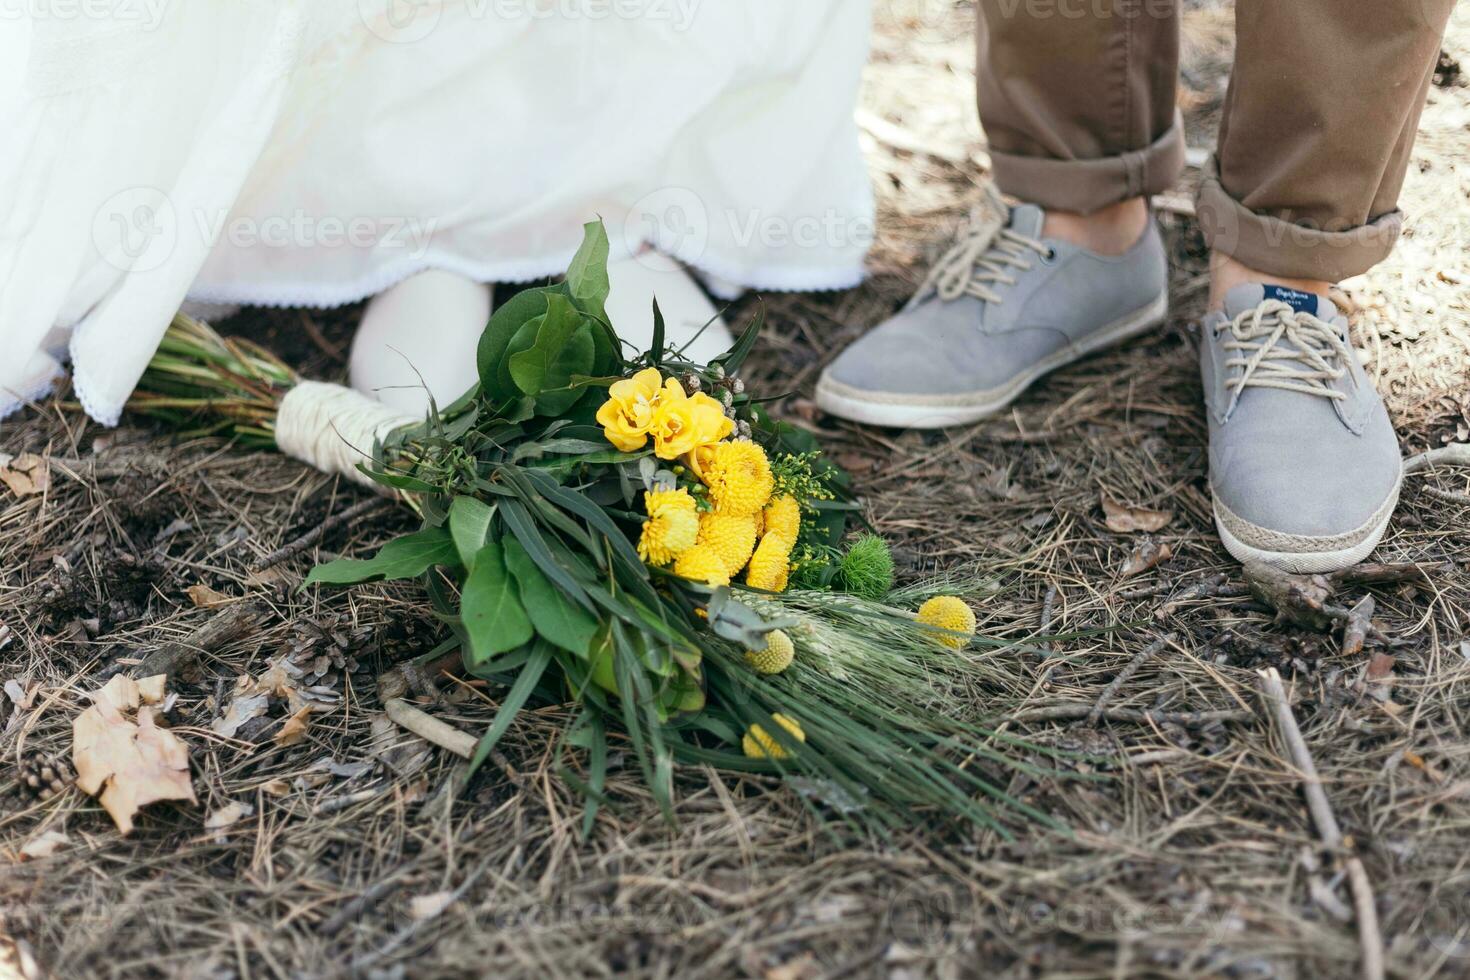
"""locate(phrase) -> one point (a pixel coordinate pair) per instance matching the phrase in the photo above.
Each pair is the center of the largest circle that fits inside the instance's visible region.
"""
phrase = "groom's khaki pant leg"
(1319, 122)
(1077, 99)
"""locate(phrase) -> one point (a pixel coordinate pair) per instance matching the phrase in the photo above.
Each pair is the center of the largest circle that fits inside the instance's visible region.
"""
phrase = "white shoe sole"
(1361, 542)
(912, 411)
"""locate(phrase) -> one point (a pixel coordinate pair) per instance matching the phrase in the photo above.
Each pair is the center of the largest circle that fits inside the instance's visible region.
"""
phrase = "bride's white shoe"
(419, 337)
(689, 317)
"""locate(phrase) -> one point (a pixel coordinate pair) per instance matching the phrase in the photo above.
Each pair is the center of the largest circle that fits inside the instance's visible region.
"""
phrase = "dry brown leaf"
(1125, 519)
(1381, 666)
(206, 598)
(245, 707)
(423, 907)
(131, 763)
(275, 787)
(19, 696)
(294, 729)
(150, 689)
(26, 474)
(227, 816)
(1148, 554)
(121, 693)
(43, 845)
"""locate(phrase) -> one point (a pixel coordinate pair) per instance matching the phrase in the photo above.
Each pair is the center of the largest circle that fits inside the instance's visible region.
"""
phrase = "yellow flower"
(628, 413)
(730, 537)
(739, 478)
(948, 612)
(758, 744)
(702, 564)
(783, 517)
(672, 526)
(776, 657)
(683, 423)
(770, 566)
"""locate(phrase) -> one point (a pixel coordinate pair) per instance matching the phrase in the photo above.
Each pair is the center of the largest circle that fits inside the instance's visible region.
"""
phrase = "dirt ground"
(1192, 852)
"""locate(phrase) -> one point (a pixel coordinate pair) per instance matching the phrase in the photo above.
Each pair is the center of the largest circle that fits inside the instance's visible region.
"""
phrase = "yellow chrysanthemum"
(948, 612)
(672, 526)
(739, 478)
(730, 537)
(702, 564)
(759, 744)
(776, 657)
(770, 566)
(783, 517)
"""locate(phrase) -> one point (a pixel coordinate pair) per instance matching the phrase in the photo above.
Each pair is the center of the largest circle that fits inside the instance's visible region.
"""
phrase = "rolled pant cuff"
(1283, 248)
(1085, 186)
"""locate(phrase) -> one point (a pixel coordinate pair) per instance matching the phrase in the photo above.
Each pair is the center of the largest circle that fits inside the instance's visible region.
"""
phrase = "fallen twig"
(1355, 630)
(429, 728)
(1128, 671)
(443, 734)
(291, 548)
(1370, 937)
(1186, 719)
(1390, 573)
(179, 659)
(1455, 454)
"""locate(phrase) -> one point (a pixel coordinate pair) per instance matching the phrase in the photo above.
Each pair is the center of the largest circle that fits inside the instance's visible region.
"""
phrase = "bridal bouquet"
(634, 535)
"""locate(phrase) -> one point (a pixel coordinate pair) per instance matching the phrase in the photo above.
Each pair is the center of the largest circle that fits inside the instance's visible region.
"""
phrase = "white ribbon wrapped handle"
(334, 428)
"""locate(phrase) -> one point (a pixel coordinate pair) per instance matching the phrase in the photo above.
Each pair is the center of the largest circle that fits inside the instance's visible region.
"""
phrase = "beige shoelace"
(1317, 358)
(981, 257)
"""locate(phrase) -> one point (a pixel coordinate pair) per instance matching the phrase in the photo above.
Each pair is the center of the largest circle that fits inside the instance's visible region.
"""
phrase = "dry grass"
(1192, 854)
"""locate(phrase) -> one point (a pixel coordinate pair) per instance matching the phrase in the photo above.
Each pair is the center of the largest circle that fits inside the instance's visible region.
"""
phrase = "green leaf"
(405, 557)
(515, 699)
(490, 609)
(529, 368)
(587, 275)
(555, 617)
(505, 323)
(469, 525)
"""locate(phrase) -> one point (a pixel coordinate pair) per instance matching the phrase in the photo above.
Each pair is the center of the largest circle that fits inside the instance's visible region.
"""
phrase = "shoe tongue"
(1027, 219)
(1250, 295)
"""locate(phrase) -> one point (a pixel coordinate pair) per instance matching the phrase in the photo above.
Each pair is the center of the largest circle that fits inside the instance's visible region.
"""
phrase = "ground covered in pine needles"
(350, 848)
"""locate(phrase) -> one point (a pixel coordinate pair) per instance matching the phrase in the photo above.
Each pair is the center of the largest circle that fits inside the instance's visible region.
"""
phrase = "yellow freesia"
(683, 423)
(628, 414)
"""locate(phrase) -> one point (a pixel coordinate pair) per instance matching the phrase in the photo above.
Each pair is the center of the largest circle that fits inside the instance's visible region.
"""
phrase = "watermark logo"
(136, 229)
(146, 15)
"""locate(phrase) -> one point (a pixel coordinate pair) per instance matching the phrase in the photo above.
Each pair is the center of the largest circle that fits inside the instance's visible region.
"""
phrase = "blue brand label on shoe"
(1298, 300)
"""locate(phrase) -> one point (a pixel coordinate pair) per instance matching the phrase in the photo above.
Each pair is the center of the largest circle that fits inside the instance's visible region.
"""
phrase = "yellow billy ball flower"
(949, 613)
(627, 415)
(776, 657)
(702, 564)
(672, 526)
(783, 517)
(759, 744)
(770, 566)
(730, 537)
(739, 478)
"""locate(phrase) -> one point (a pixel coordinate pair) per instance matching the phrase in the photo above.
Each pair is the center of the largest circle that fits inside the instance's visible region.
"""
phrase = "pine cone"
(43, 777)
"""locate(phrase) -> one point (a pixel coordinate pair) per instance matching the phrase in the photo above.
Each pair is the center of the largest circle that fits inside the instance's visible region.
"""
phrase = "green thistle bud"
(867, 568)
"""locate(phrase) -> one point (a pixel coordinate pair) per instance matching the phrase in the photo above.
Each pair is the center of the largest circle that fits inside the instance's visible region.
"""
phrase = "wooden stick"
(1095, 715)
(1455, 454)
(1370, 936)
(1188, 719)
(360, 509)
(429, 728)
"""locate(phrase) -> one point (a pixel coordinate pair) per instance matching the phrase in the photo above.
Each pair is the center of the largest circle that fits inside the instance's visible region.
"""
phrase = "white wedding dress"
(315, 152)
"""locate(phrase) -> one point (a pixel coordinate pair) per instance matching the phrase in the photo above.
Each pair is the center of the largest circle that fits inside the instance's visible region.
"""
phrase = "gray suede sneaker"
(1304, 464)
(1001, 308)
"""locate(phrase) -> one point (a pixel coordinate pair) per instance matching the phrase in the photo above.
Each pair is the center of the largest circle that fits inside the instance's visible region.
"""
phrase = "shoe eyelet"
(1049, 256)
